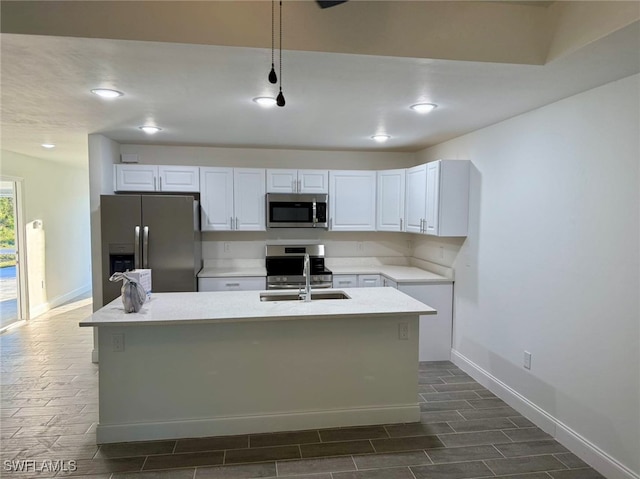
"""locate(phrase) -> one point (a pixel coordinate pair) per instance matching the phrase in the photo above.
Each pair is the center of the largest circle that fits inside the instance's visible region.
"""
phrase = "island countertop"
(245, 306)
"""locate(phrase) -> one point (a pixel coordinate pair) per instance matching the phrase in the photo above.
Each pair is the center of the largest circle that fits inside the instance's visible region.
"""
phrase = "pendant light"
(273, 78)
(280, 98)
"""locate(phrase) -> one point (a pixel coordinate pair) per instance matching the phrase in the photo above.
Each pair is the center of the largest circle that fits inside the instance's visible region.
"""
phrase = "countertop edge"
(251, 319)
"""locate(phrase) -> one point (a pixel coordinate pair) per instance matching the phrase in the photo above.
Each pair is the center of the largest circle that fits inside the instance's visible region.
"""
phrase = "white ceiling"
(201, 94)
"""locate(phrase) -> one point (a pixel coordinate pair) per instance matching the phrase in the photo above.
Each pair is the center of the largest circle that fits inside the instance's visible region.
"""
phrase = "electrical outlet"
(227, 247)
(527, 360)
(117, 342)
(441, 252)
(403, 331)
(359, 246)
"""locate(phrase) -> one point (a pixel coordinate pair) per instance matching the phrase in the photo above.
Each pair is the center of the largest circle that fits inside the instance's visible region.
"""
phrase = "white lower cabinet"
(345, 280)
(389, 282)
(356, 280)
(242, 283)
(369, 281)
(435, 330)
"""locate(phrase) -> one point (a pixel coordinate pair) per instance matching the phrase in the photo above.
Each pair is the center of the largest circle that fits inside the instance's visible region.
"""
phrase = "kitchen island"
(224, 363)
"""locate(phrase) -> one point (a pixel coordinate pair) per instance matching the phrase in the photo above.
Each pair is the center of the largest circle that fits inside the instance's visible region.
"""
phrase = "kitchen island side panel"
(218, 379)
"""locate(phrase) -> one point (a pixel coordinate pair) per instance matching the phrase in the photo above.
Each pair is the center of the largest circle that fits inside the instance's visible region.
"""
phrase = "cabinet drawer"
(368, 280)
(244, 283)
(345, 281)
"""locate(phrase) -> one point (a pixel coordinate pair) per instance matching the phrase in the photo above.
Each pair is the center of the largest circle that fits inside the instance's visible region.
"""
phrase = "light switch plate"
(527, 360)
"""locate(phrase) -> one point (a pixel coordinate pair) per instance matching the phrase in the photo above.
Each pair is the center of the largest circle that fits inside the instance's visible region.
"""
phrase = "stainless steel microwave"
(296, 210)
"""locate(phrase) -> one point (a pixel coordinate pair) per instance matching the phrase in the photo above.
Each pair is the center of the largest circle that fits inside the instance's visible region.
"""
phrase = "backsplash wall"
(251, 245)
(442, 251)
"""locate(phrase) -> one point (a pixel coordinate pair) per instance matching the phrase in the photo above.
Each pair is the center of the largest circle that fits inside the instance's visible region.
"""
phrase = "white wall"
(103, 152)
(551, 264)
(58, 195)
(268, 158)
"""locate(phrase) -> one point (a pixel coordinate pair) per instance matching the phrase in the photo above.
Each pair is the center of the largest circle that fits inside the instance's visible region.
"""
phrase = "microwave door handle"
(136, 248)
(315, 212)
(145, 247)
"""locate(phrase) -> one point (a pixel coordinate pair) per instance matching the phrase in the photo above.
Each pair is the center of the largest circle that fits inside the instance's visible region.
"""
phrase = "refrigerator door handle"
(145, 247)
(136, 248)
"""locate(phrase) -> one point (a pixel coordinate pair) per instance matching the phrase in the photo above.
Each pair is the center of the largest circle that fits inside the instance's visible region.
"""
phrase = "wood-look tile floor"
(49, 413)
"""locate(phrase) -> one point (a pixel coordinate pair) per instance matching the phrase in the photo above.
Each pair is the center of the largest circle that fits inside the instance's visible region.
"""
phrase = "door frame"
(23, 292)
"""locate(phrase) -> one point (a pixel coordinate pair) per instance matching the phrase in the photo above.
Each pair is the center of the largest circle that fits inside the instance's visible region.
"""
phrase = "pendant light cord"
(273, 31)
(280, 66)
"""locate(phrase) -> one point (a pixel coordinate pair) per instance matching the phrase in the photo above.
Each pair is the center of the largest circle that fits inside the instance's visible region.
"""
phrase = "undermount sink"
(315, 295)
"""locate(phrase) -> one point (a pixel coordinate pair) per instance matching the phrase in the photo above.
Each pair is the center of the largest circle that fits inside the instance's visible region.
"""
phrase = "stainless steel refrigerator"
(161, 232)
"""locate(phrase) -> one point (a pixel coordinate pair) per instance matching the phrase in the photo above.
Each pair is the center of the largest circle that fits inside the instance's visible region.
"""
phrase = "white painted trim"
(225, 426)
(579, 445)
(59, 301)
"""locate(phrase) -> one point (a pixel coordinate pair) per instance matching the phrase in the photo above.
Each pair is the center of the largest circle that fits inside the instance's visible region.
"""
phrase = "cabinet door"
(435, 330)
(313, 181)
(432, 205)
(368, 280)
(416, 182)
(345, 281)
(281, 181)
(352, 200)
(453, 198)
(135, 177)
(244, 283)
(216, 199)
(389, 282)
(178, 178)
(391, 186)
(249, 199)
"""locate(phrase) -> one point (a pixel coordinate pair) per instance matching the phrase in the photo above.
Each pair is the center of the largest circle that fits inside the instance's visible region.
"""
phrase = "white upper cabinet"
(216, 199)
(232, 199)
(248, 199)
(297, 181)
(282, 181)
(178, 178)
(313, 181)
(447, 202)
(391, 192)
(416, 195)
(437, 198)
(135, 177)
(352, 200)
(156, 178)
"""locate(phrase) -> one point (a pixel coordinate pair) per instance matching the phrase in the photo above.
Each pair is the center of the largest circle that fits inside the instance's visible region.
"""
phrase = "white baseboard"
(35, 311)
(226, 426)
(579, 445)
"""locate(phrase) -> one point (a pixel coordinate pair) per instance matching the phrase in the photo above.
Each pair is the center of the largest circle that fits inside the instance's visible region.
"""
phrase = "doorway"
(12, 306)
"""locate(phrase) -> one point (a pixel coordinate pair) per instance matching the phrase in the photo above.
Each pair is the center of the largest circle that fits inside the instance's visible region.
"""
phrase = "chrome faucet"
(306, 272)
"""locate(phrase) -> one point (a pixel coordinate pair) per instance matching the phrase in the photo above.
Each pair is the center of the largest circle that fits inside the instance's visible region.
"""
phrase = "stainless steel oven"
(285, 264)
(296, 210)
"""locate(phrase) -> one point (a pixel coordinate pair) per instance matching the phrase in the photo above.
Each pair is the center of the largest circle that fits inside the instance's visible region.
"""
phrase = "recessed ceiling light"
(380, 138)
(48, 146)
(107, 93)
(150, 130)
(423, 107)
(265, 101)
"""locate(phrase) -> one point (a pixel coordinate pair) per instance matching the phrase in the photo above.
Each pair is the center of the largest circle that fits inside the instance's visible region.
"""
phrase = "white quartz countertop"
(399, 274)
(245, 306)
(231, 271)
